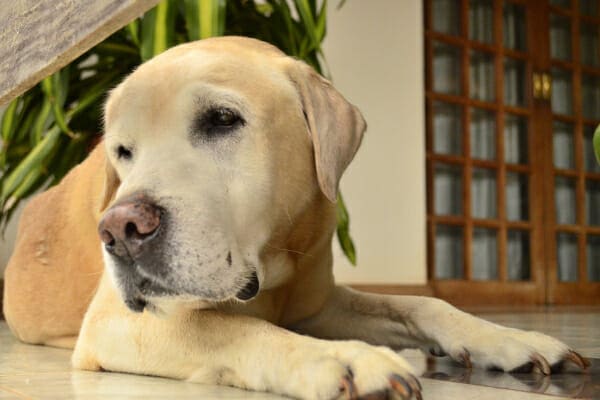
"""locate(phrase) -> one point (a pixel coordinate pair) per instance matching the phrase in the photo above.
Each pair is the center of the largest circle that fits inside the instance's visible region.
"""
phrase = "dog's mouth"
(140, 290)
(250, 290)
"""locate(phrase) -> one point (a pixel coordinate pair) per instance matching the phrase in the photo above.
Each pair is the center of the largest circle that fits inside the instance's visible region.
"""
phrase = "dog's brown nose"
(127, 227)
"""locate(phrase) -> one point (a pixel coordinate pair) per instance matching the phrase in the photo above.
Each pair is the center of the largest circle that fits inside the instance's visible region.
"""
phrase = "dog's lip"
(250, 290)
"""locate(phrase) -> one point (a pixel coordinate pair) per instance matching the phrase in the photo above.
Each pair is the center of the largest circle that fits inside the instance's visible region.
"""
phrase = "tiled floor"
(41, 372)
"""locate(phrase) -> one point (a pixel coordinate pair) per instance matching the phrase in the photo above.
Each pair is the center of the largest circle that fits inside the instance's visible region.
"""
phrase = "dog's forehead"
(157, 86)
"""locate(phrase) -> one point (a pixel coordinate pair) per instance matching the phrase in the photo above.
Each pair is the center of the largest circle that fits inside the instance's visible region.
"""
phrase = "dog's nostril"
(107, 238)
(130, 230)
(250, 290)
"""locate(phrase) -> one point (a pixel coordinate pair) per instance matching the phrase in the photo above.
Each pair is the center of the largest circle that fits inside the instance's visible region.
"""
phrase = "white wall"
(375, 53)
(374, 50)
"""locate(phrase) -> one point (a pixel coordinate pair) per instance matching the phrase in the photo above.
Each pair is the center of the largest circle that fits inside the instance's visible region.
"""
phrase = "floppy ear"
(111, 184)
(335, 126)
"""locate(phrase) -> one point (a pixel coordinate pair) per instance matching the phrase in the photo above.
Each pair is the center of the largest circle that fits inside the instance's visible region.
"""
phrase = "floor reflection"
(569, 382)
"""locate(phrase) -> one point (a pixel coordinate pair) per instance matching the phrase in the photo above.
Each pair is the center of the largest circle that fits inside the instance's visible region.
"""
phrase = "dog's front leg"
(224, 349)
(437, 327)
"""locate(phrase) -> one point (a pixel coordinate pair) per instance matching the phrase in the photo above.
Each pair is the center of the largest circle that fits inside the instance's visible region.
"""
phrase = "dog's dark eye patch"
(124, 153)
(216, 122)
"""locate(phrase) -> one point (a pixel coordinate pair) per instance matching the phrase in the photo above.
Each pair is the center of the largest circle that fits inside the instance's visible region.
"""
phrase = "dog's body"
(214, 196)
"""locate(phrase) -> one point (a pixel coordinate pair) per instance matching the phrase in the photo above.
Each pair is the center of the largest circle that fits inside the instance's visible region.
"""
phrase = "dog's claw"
(539, 361)
(415, 386)
(347, 387)
(577, 359)
(465, 358)
(401, 386)
(406, 387)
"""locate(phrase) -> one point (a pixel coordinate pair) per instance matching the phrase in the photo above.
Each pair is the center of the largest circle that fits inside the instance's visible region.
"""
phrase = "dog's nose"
(127, 227)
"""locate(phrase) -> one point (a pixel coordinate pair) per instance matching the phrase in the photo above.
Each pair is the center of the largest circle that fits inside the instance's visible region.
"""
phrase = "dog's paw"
(356, 370)
(499, 348)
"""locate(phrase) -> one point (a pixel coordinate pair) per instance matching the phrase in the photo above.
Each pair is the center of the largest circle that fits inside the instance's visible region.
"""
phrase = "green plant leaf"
(204, 18)
(320, 28)
(55, 89)
(134, 30)
(9, 120)
(307, 17)
(27, 183)
(92, 94)
(42, 122)
(115, 48)
(158, 29)
(25, 128)
(343, 231)
(31, 162)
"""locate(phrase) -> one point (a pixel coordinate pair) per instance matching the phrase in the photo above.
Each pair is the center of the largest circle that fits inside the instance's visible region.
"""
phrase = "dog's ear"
(110, 185)
(335, 126)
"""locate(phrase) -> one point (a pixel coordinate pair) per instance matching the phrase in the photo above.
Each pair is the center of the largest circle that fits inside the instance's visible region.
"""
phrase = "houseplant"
(52, 127)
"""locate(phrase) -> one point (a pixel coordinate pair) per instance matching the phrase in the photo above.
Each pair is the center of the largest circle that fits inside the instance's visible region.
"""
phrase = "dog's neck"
(298, 261)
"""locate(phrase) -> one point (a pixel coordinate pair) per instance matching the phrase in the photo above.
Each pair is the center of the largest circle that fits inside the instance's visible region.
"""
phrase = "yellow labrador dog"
(195, 242)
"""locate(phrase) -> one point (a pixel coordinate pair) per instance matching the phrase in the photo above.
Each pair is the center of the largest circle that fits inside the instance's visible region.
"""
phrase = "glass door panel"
(447, 128)
(589, 7)
(593, 258)
(561, 3)
(483, 194)
(446, 69)
(485, 254)
(517, 197)
(481, 76)
(448, 189)
(563, 146)
(567, 255)
(565, 200)
(562, 92)
(481, 21)
(514, 82)
(449, 245)
(560, 37)
(483, 134)
(590, 96)
(592, 202)
(517, 255)
(514, 27)
(446, 16)
(589, 44)
(515, 139)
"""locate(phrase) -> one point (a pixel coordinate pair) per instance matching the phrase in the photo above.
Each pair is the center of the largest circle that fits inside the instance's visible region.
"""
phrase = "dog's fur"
(258, 198)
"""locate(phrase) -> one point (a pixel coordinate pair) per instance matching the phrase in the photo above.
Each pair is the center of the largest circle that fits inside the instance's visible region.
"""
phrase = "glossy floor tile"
(35, 372)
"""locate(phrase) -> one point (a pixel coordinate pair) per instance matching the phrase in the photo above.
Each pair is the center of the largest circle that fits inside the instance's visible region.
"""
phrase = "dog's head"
(213, 149)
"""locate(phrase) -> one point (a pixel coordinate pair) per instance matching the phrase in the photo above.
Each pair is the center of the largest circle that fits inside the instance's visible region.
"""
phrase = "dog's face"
(211, 149)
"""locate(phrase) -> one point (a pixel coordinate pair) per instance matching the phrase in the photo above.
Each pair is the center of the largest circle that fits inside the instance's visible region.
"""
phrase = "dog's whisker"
(288, 250)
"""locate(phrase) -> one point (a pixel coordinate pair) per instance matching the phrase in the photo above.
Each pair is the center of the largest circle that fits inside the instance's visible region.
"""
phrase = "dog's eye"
(223, 117)
(123, 153)
(215, 123)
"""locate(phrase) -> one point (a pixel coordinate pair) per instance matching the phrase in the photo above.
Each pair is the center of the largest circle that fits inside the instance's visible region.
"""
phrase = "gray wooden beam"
(38, 37)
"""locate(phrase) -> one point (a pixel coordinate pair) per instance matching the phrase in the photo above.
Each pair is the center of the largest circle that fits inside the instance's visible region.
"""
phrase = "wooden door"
(494, 189)
(572, 174)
